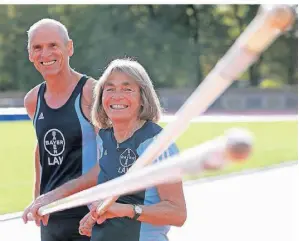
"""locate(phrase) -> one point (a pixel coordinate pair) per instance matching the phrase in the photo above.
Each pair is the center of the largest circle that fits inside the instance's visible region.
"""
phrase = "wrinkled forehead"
(47, 33)
(120, 78)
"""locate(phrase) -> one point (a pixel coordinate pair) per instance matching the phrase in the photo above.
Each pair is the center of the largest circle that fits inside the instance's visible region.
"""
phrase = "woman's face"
(121, 97)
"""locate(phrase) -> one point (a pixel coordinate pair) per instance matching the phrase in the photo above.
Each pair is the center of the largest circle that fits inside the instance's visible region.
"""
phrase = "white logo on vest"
(54, 144)
(126, 160)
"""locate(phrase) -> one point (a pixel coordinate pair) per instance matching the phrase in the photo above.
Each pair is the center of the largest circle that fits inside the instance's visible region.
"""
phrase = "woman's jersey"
(115, 161)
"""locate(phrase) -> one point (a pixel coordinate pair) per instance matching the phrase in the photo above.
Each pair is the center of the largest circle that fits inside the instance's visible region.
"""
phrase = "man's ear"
(30, 55)
(70, 48)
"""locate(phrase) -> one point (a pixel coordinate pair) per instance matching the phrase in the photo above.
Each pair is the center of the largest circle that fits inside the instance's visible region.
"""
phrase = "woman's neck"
(124, 130)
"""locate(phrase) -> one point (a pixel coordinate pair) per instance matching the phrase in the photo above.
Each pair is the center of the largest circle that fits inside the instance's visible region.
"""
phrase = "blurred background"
(178, 45)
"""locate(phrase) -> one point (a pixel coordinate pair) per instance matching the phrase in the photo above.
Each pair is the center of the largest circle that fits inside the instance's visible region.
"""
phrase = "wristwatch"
(137, 210)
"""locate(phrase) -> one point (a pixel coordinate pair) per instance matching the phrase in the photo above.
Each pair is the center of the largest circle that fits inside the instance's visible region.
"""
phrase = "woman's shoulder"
(148, 132)
(153, 128)
(104, 133)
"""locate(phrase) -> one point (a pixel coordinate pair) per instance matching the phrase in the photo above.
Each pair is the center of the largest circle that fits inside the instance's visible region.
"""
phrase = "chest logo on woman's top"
(126, 160)
(54, 144)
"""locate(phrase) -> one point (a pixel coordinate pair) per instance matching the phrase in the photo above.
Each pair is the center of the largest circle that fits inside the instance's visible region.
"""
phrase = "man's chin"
(49, 74)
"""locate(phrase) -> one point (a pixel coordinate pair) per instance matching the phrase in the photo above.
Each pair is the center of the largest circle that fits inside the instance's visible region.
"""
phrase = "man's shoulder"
(90, 83)
(30, 100)
(89, 87)
(32, 94)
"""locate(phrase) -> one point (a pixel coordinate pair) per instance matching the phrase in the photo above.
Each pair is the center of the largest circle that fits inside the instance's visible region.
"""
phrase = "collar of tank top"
(131, 133)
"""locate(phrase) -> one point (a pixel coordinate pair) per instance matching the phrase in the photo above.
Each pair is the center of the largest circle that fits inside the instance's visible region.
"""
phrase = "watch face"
(138, 209)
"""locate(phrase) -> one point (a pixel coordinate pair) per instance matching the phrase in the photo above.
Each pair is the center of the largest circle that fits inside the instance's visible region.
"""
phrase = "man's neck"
(124, 130)
(59, 83)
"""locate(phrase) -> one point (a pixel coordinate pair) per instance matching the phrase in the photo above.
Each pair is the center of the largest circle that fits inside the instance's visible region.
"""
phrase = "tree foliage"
(178, 44)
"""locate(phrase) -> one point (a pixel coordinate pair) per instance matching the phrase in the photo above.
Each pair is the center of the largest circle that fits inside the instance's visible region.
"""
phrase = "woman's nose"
(117, 95)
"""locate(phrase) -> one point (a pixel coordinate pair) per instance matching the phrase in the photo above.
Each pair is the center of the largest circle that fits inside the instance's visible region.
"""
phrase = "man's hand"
(87, 222)
(86, 225)
(115, 210)
(31, 212)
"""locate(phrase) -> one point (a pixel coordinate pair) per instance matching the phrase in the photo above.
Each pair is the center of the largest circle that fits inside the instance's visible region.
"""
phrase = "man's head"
(49, 47)
(124, 92)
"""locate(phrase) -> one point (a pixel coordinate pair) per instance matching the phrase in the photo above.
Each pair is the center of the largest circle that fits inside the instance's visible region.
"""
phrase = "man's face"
(49, 51)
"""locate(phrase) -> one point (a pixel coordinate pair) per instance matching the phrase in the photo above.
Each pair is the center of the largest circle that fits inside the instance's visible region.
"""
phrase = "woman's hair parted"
(150, 108)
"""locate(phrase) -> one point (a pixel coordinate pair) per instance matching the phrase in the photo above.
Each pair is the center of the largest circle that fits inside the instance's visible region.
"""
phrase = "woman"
(126, 110)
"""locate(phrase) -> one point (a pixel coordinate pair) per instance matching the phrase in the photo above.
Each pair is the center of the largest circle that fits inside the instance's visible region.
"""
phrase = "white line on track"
(203, 118)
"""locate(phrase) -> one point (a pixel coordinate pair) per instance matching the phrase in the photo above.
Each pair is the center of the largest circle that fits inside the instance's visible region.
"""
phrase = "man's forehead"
(47, 33)
(46, 28)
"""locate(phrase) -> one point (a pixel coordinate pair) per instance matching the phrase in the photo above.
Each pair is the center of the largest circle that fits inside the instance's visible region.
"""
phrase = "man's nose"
(46, 52)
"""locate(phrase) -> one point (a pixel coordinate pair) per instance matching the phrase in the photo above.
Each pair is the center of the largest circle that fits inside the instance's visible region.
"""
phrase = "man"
(66, 142)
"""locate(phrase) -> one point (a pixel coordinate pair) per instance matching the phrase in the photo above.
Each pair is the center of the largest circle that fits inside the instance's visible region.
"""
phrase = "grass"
(276, 142)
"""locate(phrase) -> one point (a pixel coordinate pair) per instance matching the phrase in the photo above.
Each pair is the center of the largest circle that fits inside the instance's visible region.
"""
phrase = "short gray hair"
(48, 21)
(150, 104)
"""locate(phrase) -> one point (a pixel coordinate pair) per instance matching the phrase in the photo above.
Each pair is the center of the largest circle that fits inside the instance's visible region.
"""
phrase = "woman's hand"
(116, 210)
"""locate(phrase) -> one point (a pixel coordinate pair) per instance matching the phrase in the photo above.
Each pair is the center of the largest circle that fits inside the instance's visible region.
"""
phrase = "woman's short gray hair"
(150, 104)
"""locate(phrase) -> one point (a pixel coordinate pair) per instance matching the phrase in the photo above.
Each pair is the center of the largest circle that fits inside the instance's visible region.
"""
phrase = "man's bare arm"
(37, 172)
(73, 186)
(30, 102)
